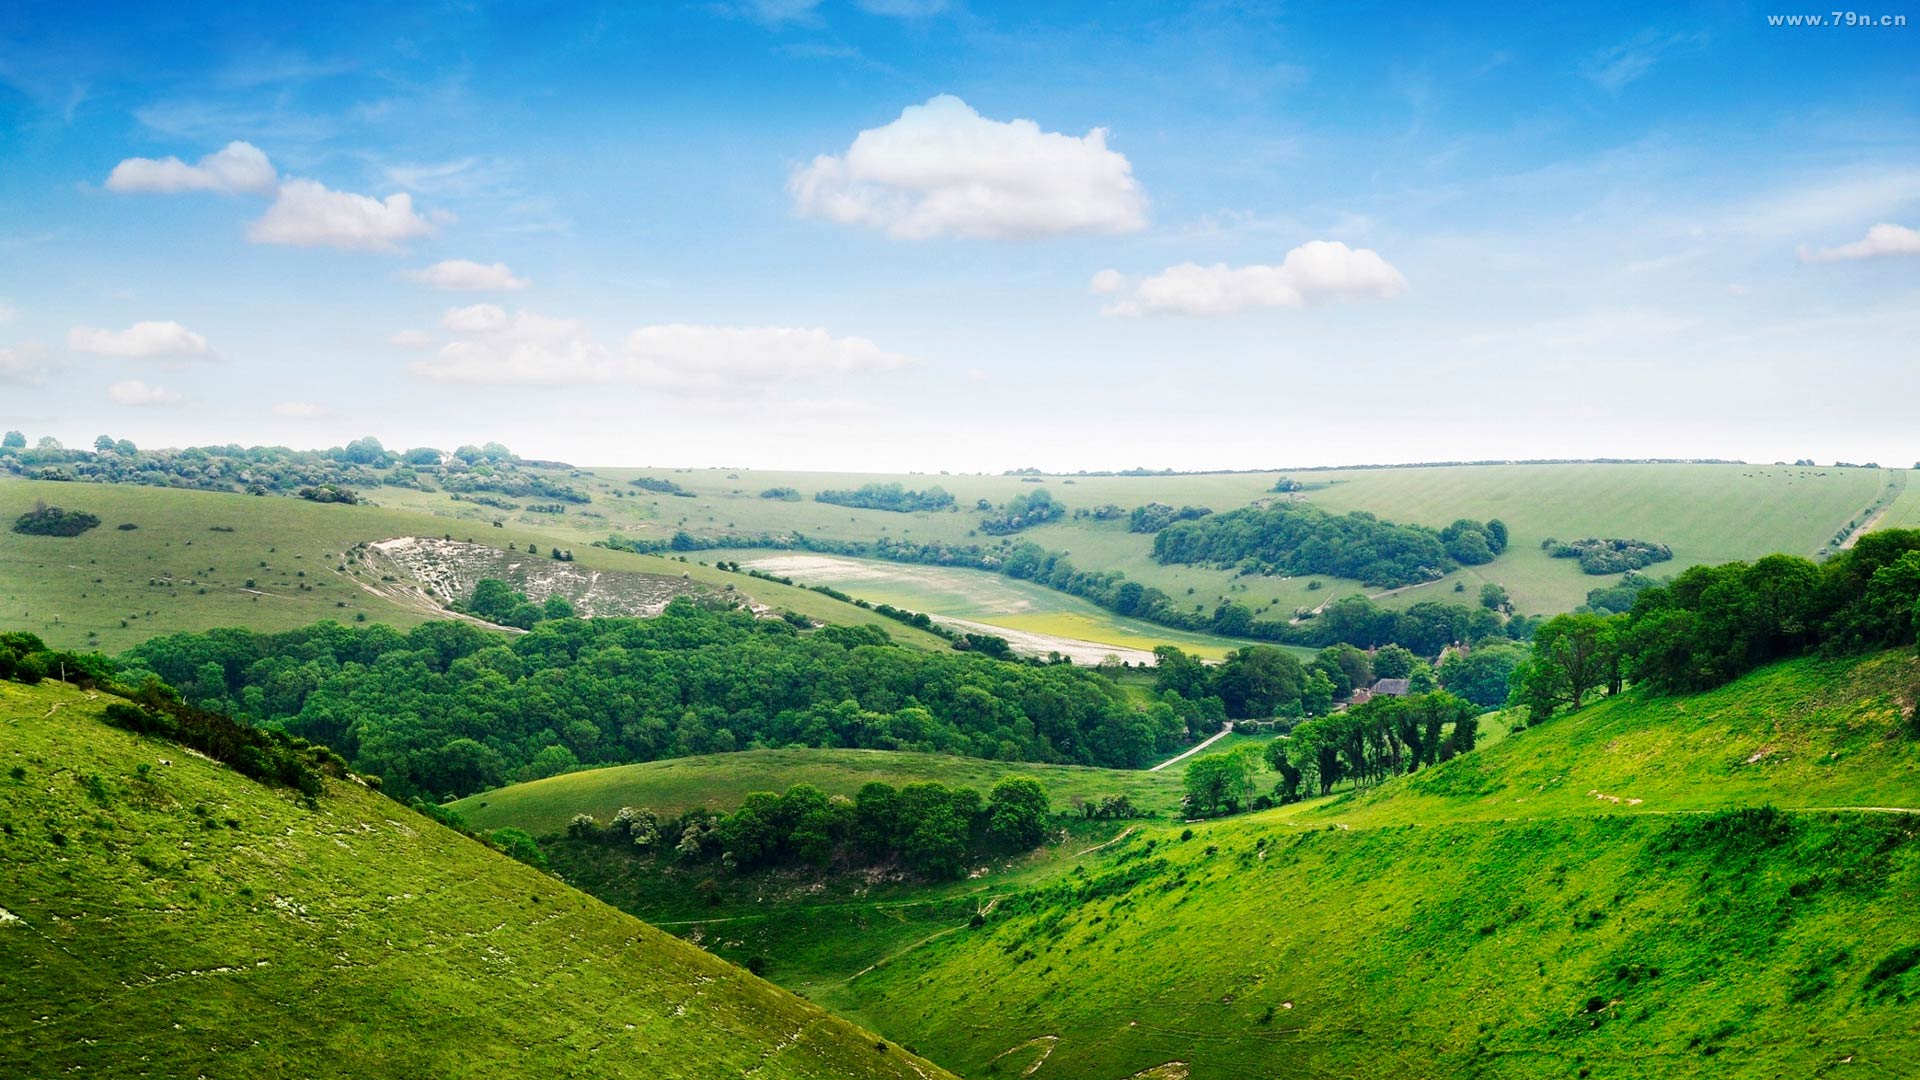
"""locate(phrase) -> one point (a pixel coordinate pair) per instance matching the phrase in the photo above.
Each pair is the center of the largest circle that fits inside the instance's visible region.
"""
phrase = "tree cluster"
(1023, 512)
(1295, 538)
(892, 497)
(44, 520)
(1712, 624)
(929, 828)
(452, 708)
(1609, 556)
(1156, 516)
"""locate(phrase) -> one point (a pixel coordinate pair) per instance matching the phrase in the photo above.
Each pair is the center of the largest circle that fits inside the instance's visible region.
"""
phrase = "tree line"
(929, 828)
(1712, 624)
(452, 708)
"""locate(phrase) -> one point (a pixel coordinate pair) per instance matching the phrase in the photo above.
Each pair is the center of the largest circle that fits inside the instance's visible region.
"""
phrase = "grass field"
(1500, 915)
(164, 916)
(1706, 513)
(721, 781)
(187, 564)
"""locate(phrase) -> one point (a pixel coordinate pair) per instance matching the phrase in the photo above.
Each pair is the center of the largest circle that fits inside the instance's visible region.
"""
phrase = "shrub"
(44, 520)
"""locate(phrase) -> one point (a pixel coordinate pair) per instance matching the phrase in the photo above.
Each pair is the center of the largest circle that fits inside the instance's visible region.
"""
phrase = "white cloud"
(478, 319)
(239, 168)
(942, 169)
(531, 349)
(24, 365)
(1881, 240)
(299, 410)
(141, 341)
(308, 214)
(719, 356)
(464, 275)
(1317, 272)
(411, 339)
(136, 394)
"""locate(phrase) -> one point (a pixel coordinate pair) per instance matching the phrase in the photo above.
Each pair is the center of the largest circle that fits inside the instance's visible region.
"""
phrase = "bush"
(44, 520)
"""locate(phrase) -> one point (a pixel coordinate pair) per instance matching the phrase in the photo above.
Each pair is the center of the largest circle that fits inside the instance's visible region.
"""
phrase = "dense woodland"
(1300, 539)
(1712, 624)
(450, 708)
(929, 828)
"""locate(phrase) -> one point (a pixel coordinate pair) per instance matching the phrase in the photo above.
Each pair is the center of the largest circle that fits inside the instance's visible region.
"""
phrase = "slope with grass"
(721, 781)
(195, 560)
(1715, 885)
(161, 915)
(1500, 915)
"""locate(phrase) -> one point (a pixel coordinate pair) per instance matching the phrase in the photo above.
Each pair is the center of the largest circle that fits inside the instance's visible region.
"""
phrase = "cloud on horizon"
(1315, 273)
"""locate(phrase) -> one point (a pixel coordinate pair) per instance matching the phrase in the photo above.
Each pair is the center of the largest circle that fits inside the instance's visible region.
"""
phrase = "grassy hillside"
(160, 915)
(1500, 915)
(1707, 513)
(721, 781)
(187, 564)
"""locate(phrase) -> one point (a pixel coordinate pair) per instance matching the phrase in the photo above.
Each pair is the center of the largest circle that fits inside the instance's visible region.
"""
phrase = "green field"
(721, 781)
(1499, 915)
(180, 569)
(164, 916)
(1706, 513)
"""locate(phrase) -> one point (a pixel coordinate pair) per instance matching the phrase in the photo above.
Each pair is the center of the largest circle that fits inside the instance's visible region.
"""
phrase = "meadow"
(197, 560)
(1707, 513)
(166, 916)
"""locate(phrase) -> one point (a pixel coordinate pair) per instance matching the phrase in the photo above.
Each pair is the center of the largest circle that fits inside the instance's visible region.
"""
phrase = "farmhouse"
(1390, 688)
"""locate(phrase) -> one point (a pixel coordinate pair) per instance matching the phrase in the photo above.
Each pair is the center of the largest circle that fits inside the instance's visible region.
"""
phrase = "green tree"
(1221, 783)
(13, 440)
(556, 607)
(1482, 675)
(519, 845)
(1573, 655)
(1017, 812)
(1494, 597)
(1260, 681)
(1393, 662)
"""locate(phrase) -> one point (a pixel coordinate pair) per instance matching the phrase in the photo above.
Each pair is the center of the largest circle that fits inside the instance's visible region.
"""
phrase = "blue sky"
(908, 234)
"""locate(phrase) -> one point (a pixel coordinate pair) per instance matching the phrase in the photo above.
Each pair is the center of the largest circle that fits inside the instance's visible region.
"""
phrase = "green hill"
(196, 560)
(160, 915)
(721, 781)
(1743, 909)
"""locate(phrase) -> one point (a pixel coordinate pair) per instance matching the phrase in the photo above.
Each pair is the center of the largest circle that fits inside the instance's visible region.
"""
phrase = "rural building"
(1390, 687)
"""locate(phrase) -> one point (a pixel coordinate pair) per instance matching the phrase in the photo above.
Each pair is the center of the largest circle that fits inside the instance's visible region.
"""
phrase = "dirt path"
(1866, 527)
(1225, 730)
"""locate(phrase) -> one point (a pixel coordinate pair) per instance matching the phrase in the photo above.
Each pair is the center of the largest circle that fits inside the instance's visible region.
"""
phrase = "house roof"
(1391, 687)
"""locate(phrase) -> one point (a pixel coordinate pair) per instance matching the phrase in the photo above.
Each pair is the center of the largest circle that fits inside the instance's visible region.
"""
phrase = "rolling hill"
(1713, 885)
(195, 560)
(160, 915)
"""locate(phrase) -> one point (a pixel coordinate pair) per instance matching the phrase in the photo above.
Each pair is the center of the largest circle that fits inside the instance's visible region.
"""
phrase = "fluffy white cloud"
(141, 341)
(943, 169)
(308, 214)
(24, 365)
(136, 394)
(240, 167)
(298, 410)
(530, 349)
(411, 339)
(1881, 240)
(1317, 272)
(464, 275)
(478, 319)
